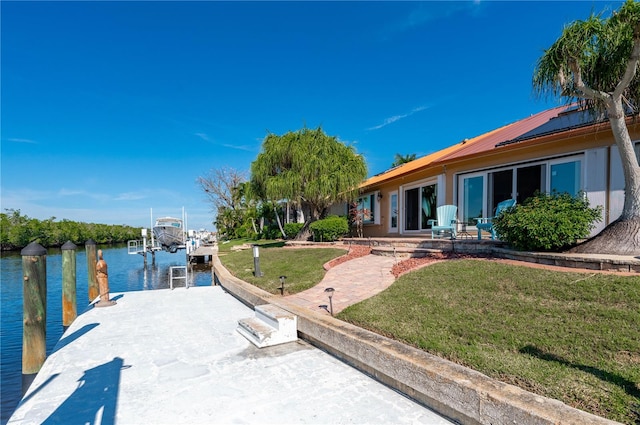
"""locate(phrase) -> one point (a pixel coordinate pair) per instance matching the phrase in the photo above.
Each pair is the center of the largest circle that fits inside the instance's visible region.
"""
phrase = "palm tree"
(310, 169)
(595, 62)
(402, 159)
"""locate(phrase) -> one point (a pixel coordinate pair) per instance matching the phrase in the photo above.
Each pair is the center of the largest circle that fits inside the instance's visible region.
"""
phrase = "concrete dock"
(202, 254)
(175, 357)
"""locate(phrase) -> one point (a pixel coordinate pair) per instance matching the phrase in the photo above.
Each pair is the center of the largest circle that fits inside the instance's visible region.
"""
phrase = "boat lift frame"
(142, 247)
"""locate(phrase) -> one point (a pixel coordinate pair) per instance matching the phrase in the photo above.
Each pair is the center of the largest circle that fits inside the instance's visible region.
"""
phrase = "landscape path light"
(330, 292)
(282, 279)
(256, 261)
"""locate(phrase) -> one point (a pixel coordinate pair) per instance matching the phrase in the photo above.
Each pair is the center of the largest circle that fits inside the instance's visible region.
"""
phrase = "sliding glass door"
(500, 188)
(529, 181)
(420, 206)
(393, 212)
(479, 193)
(473, 199)
(566, 177)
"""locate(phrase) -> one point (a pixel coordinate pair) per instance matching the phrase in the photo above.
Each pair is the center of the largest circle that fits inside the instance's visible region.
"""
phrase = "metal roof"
(414, 165)
(469, 147)
(571, 119)
(517, 129)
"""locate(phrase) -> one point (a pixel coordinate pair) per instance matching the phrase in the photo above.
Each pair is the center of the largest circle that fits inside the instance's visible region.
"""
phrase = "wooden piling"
(94, 291)
(34, 291)
(69, 305)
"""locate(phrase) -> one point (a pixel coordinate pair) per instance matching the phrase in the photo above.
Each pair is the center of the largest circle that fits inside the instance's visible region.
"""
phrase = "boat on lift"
(169, 233)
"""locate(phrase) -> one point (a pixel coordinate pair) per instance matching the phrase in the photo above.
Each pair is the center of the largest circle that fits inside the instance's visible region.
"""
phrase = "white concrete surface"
(174, 357)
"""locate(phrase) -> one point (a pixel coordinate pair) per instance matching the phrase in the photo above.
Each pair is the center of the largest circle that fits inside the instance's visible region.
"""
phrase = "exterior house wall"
(600, 174)
(379, 227)
(396, 187)
(595, 182)
(616, 186)
(592, 152)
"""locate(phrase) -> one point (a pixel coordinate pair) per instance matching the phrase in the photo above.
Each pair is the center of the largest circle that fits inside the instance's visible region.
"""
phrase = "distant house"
(563, 149)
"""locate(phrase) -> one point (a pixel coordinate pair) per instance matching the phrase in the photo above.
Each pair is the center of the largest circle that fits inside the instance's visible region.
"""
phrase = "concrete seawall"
(459, 393)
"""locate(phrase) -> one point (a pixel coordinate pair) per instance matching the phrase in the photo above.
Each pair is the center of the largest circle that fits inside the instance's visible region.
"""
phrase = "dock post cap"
(68, 246)
(34, 249)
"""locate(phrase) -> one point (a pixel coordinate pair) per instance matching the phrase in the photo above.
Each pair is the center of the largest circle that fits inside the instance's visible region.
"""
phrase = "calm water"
(126, 273)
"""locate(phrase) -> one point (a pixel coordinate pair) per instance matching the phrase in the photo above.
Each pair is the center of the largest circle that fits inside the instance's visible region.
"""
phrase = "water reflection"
(155, 276)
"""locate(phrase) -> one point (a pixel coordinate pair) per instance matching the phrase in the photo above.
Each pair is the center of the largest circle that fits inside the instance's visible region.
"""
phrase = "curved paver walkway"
(353, 281)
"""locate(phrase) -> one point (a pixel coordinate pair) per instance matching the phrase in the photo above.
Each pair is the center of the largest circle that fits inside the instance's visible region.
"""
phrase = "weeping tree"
(310, 169)
(595, 62)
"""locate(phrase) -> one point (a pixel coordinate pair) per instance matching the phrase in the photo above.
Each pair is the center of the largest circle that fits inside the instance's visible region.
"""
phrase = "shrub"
(245, 230)
(329, 229)
(292, 229)
(547, 222)
(272, 231)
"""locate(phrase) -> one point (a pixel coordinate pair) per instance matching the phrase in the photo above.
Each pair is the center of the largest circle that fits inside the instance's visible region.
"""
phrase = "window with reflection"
(420, 206)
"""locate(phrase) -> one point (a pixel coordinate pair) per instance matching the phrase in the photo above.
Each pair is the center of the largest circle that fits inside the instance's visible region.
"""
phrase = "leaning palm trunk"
(609, 240)
(630, 167)
(596, 62)
(284, 235)
(622, 236)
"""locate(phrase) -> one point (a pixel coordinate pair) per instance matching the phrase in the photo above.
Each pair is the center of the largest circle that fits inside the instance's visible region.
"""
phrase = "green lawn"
(227, 246)
(574, 337)
(301, 266)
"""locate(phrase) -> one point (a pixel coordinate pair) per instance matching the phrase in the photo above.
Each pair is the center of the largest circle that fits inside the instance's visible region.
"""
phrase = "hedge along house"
(562, 149)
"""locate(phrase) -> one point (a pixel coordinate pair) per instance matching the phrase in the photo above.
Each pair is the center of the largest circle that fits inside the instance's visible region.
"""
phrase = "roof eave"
(549, 138)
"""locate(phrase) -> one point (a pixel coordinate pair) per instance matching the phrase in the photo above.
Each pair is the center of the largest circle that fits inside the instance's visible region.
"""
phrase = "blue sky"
(111, 110)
